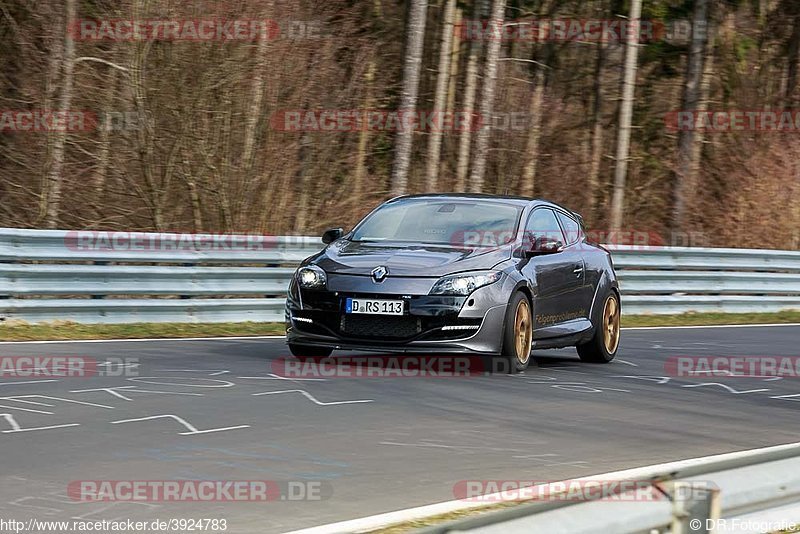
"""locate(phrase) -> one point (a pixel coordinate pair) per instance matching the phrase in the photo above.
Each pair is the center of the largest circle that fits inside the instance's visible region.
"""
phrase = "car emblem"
(379, 274)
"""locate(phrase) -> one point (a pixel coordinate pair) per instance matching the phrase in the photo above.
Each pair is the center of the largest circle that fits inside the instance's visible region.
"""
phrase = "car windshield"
(451, 222)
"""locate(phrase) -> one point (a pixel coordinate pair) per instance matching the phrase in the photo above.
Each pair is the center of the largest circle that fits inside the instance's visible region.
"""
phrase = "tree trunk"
(55, 174)
(440, 99)
(470, 90)
(684, 186)
(103, 151)
(454, 62)
(487, 100)
(254, 111)
(598, 138)
(360, 174)
(145, 134)
(534, 134)
(540, 55)
(792, 59)
(625, 118)
(408, 101)
(305, 149)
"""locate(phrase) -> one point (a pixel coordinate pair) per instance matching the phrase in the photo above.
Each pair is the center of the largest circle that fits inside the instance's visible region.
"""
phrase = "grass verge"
(70, 331)
(709, 319)
(18, 331)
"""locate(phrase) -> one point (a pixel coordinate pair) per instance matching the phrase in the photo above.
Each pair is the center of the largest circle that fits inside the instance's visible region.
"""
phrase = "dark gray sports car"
(463, 273)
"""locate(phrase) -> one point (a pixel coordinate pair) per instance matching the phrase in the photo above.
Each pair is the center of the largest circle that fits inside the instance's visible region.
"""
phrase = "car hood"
(404, 259)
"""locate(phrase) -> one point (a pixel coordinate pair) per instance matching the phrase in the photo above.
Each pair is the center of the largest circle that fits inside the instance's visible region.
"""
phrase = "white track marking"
(192, 429)
(311, 397)
(17, 398)
(212, 372)
(16, 428)
(627, 363)
(583, 388)
(769, 325)
(426, 445)
(153, 380)
(24, 409)
(656, 379)
(723, 386)
(271, 376)
(167, 392)
(133, 389)
(110, 391)
(792, 397)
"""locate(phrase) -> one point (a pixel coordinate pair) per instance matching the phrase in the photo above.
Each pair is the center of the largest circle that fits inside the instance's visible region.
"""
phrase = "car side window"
(572, 230)
(542, 223)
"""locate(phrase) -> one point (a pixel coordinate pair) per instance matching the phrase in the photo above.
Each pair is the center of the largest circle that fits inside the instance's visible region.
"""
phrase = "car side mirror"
(332, 234)
(544, 245)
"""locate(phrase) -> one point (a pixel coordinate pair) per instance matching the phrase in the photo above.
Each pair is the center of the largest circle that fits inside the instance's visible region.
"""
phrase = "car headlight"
(311, 277)
(464, 284)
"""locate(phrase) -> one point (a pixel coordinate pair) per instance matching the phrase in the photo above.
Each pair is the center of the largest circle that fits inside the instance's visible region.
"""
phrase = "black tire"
(309, 351)
(511, 361)
(597, 349)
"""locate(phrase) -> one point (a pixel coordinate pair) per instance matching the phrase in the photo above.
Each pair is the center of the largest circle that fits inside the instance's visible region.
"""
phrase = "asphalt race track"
(376, 444)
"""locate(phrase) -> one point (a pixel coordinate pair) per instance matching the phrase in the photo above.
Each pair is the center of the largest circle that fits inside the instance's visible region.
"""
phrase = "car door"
(557, 277)
(574, 252)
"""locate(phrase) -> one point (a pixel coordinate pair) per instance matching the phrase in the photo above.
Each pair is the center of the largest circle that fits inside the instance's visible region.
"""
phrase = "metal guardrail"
(670, 280)
(723, 493)
(116, 277)
(129, 277)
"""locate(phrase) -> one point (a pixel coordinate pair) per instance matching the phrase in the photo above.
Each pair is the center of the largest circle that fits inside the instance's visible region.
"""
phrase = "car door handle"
(578, 270)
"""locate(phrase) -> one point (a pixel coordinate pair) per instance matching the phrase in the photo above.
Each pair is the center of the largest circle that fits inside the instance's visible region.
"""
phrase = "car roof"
(509, 199)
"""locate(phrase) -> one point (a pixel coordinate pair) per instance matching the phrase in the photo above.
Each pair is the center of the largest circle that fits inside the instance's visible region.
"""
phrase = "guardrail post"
(99, 297)
(695, 508)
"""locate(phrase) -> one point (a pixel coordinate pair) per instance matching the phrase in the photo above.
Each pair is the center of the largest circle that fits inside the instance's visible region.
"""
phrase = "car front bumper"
(432, 324)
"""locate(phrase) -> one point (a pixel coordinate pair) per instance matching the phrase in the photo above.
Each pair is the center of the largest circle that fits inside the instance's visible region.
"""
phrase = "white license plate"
(374, 307)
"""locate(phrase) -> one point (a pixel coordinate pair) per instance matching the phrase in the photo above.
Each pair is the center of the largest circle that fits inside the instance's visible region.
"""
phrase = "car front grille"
(381, 326)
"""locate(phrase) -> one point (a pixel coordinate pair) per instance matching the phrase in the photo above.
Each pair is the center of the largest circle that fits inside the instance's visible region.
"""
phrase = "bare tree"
(440, 99)
(56, 168)
(454, 62)
(529, 166)
(360, 173)
(688, 154)
(598, 137)
(487, 99)
(535, 116)
(625, 118)
(793, 58)
(408, 102)
(470, 90)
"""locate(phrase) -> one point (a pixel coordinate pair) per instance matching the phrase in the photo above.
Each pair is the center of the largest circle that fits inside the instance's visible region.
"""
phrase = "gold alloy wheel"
(611, 324)
(522, 331)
